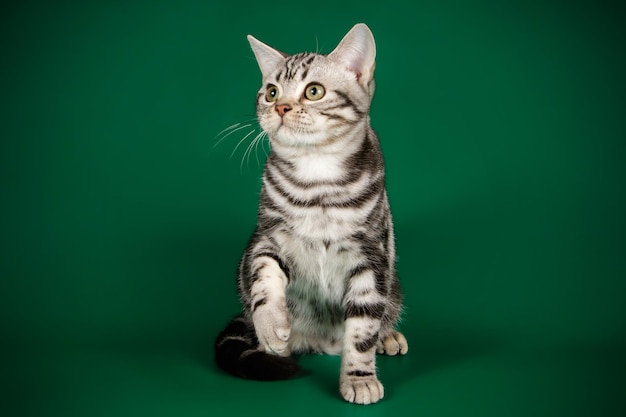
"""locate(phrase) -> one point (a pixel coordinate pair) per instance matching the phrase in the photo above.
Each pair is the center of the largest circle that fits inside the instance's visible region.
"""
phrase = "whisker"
(269, 145)
(234, 127)
(228, 128)
(259, 139)
(241, 141)
(253, 144)
(233, 130)
(247, 121)
(247, 153)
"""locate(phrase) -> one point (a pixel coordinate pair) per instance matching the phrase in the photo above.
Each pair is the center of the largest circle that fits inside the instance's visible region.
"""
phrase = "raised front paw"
(271, 324)
(361, 389)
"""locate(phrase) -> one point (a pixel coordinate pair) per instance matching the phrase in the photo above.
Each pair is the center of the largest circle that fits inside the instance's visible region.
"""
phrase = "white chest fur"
(319, 275)
(320, 268)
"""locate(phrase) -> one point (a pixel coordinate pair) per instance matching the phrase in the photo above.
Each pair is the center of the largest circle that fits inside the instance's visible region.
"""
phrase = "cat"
(318, 274)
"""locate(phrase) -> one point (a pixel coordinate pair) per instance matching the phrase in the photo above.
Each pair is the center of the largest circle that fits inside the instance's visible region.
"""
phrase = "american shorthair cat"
(318, 274)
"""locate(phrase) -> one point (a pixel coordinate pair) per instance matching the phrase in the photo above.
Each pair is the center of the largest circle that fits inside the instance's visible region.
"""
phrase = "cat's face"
(310, 99)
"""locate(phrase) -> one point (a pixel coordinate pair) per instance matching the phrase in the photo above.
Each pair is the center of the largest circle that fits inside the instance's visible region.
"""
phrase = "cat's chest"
(324, 224)
(319, 269)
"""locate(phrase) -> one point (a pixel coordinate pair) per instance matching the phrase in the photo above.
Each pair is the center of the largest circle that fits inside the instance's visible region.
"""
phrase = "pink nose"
(282, 109)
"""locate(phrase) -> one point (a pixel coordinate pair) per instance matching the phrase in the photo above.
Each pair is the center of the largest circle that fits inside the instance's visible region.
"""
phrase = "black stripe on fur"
(366, 345)
(360, 373)
(375, 310)
(282, 265)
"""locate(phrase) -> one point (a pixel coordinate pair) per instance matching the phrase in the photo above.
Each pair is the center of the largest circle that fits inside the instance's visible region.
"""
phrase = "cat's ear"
(357, 53)
(267, 57)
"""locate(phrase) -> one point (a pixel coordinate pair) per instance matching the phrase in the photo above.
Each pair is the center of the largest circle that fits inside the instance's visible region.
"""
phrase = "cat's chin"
(286, 137)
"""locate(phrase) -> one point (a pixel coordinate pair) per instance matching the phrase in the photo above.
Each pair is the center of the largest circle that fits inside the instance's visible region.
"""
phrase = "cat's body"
(318, 274)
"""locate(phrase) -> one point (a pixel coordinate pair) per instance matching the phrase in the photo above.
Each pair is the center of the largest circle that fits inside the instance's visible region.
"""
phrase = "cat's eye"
(271, 94)
(314, 91)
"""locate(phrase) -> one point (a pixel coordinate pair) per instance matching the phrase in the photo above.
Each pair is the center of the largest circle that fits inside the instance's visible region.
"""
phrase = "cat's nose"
(282, 109)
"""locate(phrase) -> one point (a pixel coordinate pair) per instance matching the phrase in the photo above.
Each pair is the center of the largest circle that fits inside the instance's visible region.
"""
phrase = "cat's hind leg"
(393, 344)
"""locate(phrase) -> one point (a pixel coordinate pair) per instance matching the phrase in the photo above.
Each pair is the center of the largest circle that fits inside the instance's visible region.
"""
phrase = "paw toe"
(393, 345)
(283, 333)
(362, 392)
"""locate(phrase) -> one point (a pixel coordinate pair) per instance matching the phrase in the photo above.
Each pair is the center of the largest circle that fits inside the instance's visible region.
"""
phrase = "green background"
(504, 131)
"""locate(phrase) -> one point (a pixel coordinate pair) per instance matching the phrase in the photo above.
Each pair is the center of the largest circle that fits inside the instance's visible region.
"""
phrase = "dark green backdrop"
(504, 130)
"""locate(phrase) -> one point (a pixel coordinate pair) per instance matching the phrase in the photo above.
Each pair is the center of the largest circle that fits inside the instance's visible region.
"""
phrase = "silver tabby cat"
(318, 274)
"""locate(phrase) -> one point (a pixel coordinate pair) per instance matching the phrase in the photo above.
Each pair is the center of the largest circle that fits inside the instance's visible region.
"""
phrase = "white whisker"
(227, 129)
(247, 153)
(261, 140)
(241, 141)
(233, 130)
(253, 144)
(269, 145)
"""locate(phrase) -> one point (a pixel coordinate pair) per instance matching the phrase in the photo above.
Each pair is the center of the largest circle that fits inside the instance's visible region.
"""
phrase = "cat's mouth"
(293, 133)
(286, 125)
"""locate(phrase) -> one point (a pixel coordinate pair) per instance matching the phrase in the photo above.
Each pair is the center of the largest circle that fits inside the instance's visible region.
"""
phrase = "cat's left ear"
(267, 57)
(357, 52)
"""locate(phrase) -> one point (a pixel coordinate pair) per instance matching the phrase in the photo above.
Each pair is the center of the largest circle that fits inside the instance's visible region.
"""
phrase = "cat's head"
(310, 99)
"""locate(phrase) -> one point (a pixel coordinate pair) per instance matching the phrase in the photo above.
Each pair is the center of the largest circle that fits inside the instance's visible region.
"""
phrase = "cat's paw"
(272, 328)
(393, 345)
(361, 390)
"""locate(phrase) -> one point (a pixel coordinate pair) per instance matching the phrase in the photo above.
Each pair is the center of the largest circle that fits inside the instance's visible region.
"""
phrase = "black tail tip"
(262, 366)
(237, 352)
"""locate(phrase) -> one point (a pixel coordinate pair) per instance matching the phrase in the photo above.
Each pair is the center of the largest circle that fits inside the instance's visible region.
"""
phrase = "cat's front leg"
(269, 307)
(358, 382)
(364, 308)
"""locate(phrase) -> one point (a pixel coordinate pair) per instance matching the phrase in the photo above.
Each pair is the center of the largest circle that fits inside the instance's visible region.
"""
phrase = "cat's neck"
(325, 162)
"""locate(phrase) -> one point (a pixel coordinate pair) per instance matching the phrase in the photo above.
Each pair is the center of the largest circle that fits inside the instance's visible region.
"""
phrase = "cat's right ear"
(267, 57)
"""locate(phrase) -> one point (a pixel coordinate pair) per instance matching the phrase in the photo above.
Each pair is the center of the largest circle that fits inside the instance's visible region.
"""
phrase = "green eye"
(314, 91)
(272, 93)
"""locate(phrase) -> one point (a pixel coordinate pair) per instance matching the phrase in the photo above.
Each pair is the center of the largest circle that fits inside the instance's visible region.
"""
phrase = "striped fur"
(318, 274)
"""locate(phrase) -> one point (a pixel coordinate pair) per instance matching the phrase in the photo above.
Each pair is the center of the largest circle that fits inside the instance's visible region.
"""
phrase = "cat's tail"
(236, 352)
